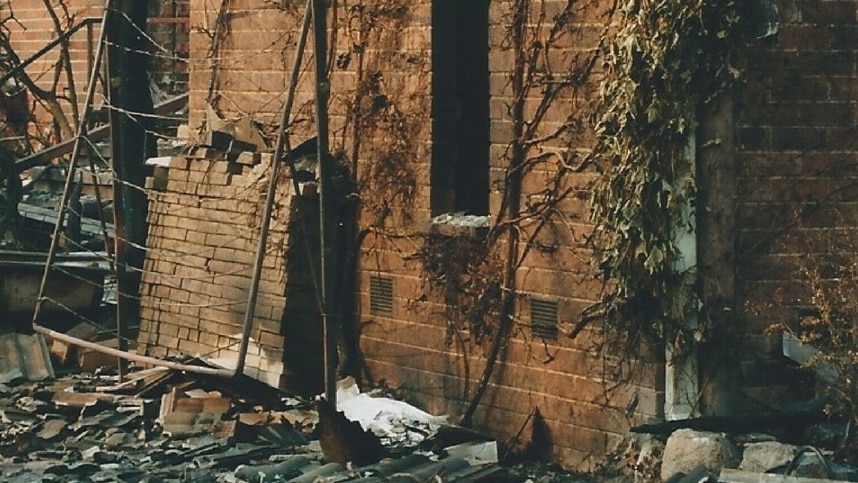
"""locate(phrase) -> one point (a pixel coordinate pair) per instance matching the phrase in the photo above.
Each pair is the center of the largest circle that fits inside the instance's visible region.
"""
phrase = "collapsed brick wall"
(796, 174)
(204, 220)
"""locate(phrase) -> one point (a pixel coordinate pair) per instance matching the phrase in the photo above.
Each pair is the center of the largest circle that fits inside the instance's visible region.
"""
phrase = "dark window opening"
(543, 319)
(460, 107)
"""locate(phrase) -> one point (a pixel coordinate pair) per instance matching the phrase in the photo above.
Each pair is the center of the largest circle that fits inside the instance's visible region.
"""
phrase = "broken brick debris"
(164, 425)
(64, 352)
(90, 360)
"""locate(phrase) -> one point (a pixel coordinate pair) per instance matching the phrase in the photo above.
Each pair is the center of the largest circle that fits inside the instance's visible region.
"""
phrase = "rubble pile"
(158, 424)
(696, 456)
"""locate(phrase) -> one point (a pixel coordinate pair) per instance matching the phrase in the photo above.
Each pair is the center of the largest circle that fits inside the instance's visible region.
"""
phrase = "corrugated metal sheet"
(24, 356)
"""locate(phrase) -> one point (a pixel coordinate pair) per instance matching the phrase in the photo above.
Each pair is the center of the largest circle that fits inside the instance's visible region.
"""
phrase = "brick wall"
(796, 171)
(204, 219)
(561, 379)
(33, 29)
(793, 117)
(380, 108)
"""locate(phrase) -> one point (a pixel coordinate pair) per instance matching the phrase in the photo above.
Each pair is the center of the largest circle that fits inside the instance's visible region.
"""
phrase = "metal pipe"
(323, 88)
(81, 130)
(209, 371)
(270, 196)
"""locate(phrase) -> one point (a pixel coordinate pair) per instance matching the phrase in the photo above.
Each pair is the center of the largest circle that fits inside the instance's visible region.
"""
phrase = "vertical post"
(89, 39)
(130, 125)
(320, 49)
(716, 198)
(281, 147)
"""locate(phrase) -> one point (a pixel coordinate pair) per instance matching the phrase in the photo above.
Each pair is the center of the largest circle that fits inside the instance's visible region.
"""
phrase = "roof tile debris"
(164, 425)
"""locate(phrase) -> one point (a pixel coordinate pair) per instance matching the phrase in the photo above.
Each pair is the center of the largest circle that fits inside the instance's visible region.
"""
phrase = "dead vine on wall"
(60, 104)
(22, 98)
(462, 268)
(383, 121)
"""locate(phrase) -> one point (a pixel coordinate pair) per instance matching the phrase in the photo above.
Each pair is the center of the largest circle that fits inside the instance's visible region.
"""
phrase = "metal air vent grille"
(380, 295)
(543, 319)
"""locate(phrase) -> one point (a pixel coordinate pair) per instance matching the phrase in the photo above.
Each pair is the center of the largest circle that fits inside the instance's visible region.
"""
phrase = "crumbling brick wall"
(204, 220)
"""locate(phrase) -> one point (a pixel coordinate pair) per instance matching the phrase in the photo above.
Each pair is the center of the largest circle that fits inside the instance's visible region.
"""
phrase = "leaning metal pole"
(81, 131)
(271, 194)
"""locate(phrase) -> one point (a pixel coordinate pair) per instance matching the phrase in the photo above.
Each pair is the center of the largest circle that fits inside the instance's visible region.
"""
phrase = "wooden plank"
(738, 476)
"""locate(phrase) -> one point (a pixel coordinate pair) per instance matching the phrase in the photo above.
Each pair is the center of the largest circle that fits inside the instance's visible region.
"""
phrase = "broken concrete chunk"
(766, 456)
(476, 453)
(248, 158)
(241, 129)
(687, 449)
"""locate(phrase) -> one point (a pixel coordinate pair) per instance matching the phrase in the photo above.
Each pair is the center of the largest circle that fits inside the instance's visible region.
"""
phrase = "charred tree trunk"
(130, 121)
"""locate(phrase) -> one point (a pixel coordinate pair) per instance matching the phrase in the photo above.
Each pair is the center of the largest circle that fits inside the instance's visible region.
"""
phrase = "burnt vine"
(374, 112)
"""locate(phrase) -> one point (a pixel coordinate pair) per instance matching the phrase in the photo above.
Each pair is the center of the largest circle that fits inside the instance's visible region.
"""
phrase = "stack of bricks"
(204, 219)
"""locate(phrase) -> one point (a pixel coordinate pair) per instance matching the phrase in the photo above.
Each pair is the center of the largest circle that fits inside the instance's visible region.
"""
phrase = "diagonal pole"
(279, 149)
(81, 132)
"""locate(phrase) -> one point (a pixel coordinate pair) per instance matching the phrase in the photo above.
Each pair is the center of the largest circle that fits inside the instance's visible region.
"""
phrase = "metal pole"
(271, 194)
(320, 48)
(210, 371)
(81, 130)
